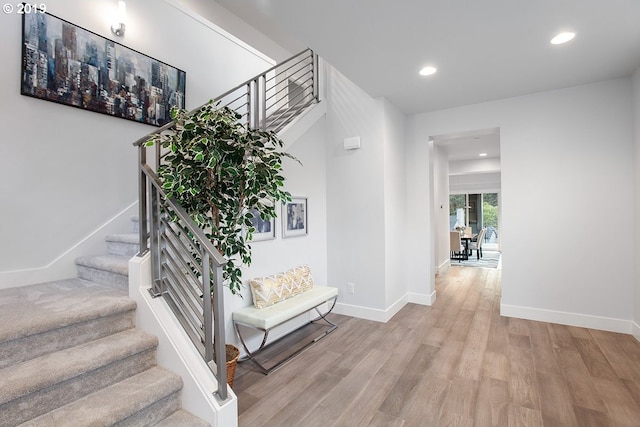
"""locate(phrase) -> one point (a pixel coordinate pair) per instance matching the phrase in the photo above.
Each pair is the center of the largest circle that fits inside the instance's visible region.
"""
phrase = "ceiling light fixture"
(563, 38)
(482, 154)
(427, 71)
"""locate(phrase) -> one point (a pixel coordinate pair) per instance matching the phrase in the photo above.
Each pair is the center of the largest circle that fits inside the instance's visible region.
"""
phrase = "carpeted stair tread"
(120, 403)
(182, 418)
(56, 304)
(112, 263)
(126, 245)
(130, 238)
(54, 368)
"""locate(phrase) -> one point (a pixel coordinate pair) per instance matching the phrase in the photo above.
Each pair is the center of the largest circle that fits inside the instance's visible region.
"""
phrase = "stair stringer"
(176, 352)
(301, 124)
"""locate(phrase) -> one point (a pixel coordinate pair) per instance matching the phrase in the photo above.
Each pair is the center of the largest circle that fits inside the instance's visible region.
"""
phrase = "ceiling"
(483, 50)
(468, 145)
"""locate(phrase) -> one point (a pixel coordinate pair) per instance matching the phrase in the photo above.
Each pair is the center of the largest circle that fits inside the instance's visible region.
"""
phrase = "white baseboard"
(636, 330)
(422, 299)
(378, 315)
(444, 267)
(570, 319)
(367, 313)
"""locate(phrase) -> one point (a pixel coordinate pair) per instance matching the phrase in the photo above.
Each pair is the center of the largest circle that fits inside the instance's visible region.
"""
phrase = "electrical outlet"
(351, 288)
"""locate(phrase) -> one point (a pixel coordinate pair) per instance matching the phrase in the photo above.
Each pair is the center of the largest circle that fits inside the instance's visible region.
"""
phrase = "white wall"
(566, 176)
(66, 172)
(394, 142)
(355, 195)
(475, 183)
(636, 194)
(441, 183)
(420, 251)
(477, 166)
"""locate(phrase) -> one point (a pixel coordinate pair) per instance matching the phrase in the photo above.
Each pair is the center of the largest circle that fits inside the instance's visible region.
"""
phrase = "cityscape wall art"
(67, 64)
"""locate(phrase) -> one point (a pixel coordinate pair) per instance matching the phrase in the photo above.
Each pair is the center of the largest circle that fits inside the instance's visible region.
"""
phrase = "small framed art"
(265, 230)
(295, 217)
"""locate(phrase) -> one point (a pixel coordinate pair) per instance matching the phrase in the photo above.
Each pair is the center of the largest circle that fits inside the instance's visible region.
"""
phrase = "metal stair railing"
(186, 267)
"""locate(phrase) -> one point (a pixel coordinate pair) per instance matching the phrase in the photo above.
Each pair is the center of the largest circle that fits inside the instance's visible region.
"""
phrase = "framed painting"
(67, 64)
(264, 230)
(295, 218)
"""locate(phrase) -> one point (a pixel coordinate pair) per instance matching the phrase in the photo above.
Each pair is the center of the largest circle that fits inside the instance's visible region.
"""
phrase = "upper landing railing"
(186, 267)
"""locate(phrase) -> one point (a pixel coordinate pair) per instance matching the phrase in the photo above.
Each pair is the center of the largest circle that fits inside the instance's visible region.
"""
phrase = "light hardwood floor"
(456, 363)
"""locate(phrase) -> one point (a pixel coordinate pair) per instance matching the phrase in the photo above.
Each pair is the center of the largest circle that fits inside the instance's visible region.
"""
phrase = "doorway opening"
(476, 211)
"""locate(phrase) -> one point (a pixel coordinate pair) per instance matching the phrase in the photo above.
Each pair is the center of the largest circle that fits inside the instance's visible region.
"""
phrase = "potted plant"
(219, 170)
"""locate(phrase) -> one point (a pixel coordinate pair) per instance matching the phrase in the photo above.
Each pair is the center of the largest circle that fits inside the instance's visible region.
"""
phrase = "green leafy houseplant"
(218, 170)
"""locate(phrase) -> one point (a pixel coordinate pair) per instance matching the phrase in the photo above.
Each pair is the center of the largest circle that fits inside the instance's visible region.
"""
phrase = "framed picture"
(265, 230)
(67, 64)
(294, 218)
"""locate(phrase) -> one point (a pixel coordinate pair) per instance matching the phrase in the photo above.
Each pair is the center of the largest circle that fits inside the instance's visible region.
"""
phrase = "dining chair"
(477, 244)
(457, 251)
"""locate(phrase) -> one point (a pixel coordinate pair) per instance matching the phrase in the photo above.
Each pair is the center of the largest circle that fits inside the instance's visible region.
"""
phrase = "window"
(475, 211)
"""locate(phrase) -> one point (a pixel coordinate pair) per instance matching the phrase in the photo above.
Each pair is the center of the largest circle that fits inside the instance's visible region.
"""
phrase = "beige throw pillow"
(269, 290)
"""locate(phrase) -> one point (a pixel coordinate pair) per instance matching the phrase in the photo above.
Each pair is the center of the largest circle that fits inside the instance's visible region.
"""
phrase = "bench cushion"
(273, 289)
(268, 317)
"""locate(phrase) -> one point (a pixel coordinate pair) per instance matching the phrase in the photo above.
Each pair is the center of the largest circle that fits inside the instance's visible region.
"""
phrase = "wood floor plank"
(329, 409)
(405, 385)
(382, 420)
(278, 397)
(593, 358)
(424, 410)
(623, 410)
(622, 354)
(518, 326)
(578, 379)
(544, 358)
(303, 402)
(470, 365)
(496, 365)
(519, 416)
(450, 364)
(435, 337)
(364, 408)
(523, 384)
(447, 359)
(460, 403)
(498, 341)
(591, 418)
(492, 405)
(460, 328)
(556, 404)
(634, 390)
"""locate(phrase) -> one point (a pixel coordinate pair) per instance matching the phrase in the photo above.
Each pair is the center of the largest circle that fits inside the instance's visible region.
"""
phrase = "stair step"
(109, 270)
(141, 400)
(126, 245)
(40, 385)
(182, 418)
(61, 314)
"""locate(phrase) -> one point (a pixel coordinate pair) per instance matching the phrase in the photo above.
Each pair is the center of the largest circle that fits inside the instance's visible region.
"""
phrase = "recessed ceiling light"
(562, 38)
(427, 71)
(483, 154)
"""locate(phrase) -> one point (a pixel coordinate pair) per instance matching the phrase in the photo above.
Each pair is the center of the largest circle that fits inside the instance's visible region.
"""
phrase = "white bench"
(267, 318)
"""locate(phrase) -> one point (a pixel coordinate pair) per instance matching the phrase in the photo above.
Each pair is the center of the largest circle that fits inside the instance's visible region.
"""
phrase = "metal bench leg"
(252, 355)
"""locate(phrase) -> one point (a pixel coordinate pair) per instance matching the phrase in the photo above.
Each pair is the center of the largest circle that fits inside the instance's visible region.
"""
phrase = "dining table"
(467, 237)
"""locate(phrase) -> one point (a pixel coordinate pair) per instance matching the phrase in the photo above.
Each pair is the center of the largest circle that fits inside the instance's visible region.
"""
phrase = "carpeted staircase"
(70, 354)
